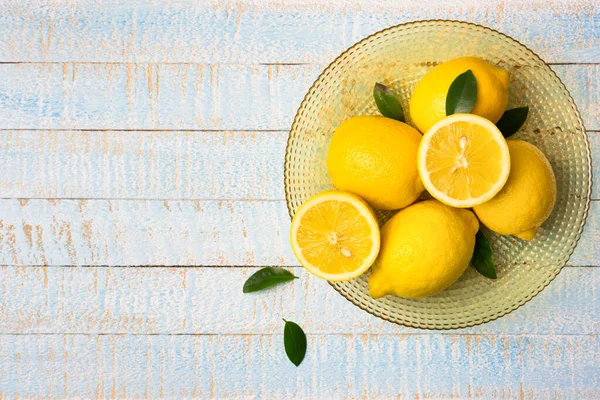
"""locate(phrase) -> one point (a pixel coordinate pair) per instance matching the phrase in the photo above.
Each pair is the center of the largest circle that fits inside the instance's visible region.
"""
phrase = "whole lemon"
(428, 101)
(376, 159)
(527, 198)
(424, 249)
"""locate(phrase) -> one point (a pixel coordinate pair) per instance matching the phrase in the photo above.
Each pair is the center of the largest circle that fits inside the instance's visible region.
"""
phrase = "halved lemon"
(463, 160)
(335, 236)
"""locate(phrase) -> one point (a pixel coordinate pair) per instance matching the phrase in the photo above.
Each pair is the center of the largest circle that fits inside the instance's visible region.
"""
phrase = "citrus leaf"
(387, 103)
(483, 259)
(512, 120)
(267, 277)
(462, 94)
(294, 341)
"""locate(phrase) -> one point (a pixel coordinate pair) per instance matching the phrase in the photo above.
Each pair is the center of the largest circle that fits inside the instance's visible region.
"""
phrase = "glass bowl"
(398, 57)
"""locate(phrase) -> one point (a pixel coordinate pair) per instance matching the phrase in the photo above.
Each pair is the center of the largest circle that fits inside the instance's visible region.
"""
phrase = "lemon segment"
(463, 160)
(335, 236)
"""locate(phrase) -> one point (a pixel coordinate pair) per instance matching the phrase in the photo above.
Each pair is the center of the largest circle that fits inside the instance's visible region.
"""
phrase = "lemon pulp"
(463, 160)
(335, 236)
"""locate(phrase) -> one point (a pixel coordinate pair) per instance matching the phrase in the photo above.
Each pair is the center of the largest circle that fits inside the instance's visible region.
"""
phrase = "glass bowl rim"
(540, 288)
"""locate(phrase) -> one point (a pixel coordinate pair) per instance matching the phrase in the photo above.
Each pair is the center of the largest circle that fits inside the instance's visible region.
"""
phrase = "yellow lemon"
(528, 197)
(375, 158)
(463, 160)
(428, 101)
(424, 249)
(335, 236)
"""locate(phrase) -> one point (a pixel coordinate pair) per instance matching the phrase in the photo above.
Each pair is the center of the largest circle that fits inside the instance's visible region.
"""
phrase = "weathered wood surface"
(185, 300)
(161, 232)
(152, 96)
(160, 165)
(169, 165)
(336, 366)
(157, 130)
(263, 32)
(188, 96)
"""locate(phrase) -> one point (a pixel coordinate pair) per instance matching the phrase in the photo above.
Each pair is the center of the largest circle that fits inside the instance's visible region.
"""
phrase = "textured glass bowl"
(398, 57)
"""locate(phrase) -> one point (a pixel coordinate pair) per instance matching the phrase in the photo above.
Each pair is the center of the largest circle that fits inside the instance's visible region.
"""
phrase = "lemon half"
(335, 236)
(463, 160)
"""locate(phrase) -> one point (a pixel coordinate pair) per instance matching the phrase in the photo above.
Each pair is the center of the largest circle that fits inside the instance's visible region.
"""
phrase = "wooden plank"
(163, 165)
(142, 164)
(183, 300)
(187, 96)
(344, 366)
(130, 232)
(256, 32)
(121, 232)
(151, 96)
(585, 94)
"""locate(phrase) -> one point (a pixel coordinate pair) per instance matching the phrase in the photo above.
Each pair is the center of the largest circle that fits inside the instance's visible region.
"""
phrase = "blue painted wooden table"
(141, 156)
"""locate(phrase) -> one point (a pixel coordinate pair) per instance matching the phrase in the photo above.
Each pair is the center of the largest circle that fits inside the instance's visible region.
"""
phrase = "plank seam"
(188, 266)
(144, 130)
(291, 64)
(249, 200)
(424, 334)
(228, 200)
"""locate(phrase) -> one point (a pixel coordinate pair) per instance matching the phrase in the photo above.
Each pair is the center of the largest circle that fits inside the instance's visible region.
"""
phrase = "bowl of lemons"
(437, 174)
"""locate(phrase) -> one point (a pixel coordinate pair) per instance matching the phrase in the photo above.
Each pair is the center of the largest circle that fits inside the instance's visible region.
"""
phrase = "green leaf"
(483, 260)
(462, 94)
(267, 277)
(512, 120)
(388, 104)
(294, 341)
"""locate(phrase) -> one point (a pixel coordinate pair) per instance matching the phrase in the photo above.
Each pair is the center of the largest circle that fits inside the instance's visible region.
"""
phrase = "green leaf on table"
(388, 104)
(267, 277)
(462, 94)
(512, 120)
(483, 259)
(294, 341)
